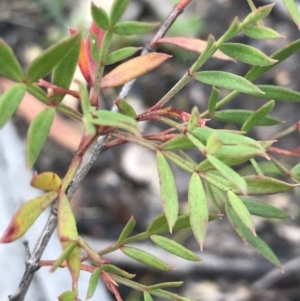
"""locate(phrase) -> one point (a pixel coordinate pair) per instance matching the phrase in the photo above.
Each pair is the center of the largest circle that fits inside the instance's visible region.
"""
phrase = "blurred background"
(124, 182)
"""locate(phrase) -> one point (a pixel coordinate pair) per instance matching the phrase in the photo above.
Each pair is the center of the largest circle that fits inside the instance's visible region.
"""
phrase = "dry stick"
(95, 149)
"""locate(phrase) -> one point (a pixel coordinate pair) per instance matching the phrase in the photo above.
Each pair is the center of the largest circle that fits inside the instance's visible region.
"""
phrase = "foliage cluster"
(214, 183)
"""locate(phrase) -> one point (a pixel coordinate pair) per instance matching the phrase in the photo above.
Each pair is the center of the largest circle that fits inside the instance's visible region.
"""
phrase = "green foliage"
(214, 177)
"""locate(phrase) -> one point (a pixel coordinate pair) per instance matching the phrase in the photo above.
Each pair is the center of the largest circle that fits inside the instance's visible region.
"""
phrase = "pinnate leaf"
(146, 258)
(117, 10)
(94, 279)
(100, 17)
(26, 216)
(116, 270)
(127, 230)
(168, 190)
(293, 11)
(248, 236)
(67, 296)
(258, 115)
(240, 116)
(213, 99)
(147, 296)
(174, 247)
(262, 185)
(278, 93)
(226, 80)
(37, 134)
(198, 209)
(246, 54)
(9, 65)
(48, 181)
(63, 73)
(261, 33)
(121, 54)
(67, 230)
(9, 102)
(241, 211)
(258, 14)
(263, 209)
(115, 119)
(229, 174)
(125, 108)
(49, 59)
(129, 28)
(133, 69)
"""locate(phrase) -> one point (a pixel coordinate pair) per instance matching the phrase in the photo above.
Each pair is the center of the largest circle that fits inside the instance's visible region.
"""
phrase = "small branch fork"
(95, 148)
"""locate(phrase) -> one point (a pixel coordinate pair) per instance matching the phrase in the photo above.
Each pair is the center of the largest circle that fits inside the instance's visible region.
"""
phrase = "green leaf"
(216, 180)
(173, 247)
(67, 296)
(100, 17)
(168, 190)
(259, 114)
(147, 296)
(295, 172)
(130, 28)
(67, 231)
(240, 116)
(117, 10)
(227, 137)
(198, 209)
(178, 143)
(278, 93)
(63, 256)
(196, 142)
(165, 285)
(264, 210)
(115, 270)
(49, 59)
(293, 11)
(93, 283)
(63, 73)
(232, 155)
(213, 144)
(125, 108)
(226, 80)
(94, 46)
(255, 241)
(262, 185)
(280, 55)
(145, 258)
(258, 14)
(241, 211)
(194, 118)
(115, 119)
(121, 54)
(261, 33)
(37, 134)
(213, 99)
(246, 54)
(9, 65)
(10, 101)
(26, 216)
(233, 30)
(127, 230)
(229, 174)
(39, 93)
(160, 225)
(208, 52)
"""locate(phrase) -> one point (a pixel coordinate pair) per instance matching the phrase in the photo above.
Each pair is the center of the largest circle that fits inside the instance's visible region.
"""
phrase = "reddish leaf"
(26, 216)
(195, 45)
(83, 60)
(99, 33)
(133, 69)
